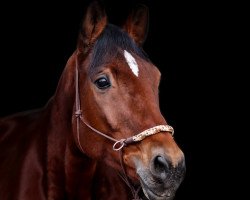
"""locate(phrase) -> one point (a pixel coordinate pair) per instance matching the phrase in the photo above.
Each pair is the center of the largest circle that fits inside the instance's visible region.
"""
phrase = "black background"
(185, 40)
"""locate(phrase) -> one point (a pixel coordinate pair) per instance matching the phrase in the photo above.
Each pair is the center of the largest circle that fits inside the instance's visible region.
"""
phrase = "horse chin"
(150, 194)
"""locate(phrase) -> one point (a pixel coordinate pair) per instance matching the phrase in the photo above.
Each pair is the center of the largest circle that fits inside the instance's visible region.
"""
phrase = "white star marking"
(131, 63)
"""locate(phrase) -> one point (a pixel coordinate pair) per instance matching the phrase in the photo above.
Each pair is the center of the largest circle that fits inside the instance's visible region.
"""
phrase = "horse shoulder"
(22, 156)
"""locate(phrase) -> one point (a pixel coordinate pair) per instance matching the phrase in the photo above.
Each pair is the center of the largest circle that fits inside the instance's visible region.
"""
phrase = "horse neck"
(63, 100)
(60, 108)
(63, 154)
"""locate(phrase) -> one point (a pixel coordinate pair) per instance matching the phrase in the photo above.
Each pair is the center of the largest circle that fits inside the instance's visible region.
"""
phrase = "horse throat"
(79, 171)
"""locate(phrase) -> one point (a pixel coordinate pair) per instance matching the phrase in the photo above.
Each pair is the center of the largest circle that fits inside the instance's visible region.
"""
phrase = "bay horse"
(102, 135)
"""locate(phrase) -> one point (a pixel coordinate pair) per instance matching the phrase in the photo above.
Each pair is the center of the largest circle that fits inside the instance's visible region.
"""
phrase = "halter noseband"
(118, 144)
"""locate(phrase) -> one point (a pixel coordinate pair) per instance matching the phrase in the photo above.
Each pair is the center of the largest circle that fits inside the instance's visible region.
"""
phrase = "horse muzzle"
(160, 180)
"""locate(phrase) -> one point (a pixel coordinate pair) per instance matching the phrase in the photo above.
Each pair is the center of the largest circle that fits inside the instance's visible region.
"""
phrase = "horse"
(102, 134)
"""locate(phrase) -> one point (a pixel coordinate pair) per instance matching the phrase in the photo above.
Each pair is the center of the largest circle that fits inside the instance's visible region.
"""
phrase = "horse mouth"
(151, 194)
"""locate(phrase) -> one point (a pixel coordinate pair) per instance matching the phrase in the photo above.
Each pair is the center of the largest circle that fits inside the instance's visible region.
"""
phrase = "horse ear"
(93, 24)
(137, 24)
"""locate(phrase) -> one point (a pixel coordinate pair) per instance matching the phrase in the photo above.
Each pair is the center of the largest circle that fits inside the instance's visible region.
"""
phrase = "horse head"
(117, 96)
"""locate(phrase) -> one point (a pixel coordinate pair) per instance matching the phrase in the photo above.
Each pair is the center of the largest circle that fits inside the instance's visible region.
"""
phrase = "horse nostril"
(160, 167)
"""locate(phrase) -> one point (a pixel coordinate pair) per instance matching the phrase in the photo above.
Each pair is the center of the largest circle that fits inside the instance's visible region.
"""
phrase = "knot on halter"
(118, 145)
(78, 113)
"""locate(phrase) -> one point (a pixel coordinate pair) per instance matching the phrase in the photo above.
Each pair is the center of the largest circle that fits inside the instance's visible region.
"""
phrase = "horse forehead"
(131, 61)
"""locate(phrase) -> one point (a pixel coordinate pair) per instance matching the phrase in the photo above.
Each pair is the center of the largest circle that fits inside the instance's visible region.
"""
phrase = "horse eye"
(102, 83)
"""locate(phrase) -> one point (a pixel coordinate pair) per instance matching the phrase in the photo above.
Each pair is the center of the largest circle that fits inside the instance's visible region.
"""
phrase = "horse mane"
(110, 43)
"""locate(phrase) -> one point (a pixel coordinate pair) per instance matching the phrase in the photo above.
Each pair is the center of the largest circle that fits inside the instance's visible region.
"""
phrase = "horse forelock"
(112, 42)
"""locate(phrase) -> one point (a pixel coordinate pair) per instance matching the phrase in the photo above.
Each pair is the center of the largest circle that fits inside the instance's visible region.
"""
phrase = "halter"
(118, 144)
